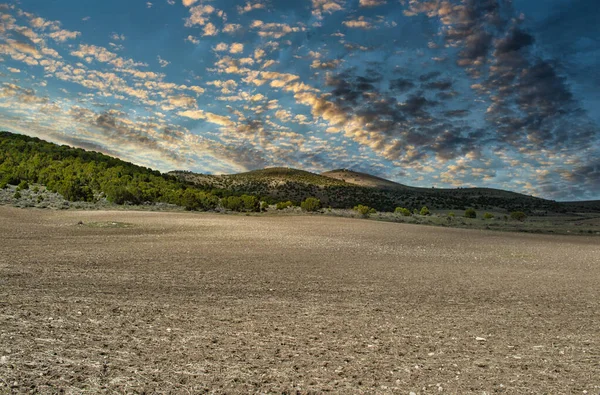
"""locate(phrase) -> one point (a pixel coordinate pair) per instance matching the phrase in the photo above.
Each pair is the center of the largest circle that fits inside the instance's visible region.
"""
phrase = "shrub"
(197, 200)
(425, 211)
(36, 189)
(402, 211)
(451, 214)
(250, 203)
(264, 206)
(23, 185)
(372, 211)
(17, 195)
(233, 203)
(284, 205)
(488, 216)
(311, 204)
(470, 213)
(3, 184)
(518, 215)
(363, 210)
(241, 203)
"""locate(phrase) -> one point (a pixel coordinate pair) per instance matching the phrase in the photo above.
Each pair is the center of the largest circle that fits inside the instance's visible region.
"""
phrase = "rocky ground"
(134, 302)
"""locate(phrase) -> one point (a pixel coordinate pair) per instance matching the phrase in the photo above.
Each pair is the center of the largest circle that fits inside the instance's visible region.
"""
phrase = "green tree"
(518, 215)
(425, 211)
(470, 213)
(311, 204)
(364, 211)
(402, 211)
(284, 205)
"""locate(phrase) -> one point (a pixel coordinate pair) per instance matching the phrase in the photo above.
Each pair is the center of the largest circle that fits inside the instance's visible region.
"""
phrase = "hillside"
(345, 189)
(80, 175)
(363, 179)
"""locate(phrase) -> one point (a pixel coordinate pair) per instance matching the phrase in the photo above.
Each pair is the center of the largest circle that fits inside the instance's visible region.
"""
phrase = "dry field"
(134, 302)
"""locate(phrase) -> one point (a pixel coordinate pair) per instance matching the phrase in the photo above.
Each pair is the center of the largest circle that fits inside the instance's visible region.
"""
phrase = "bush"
(264, 206)
(311, 204)
(451, 214)
(364, 211)
(17, 195)
(470, 213)
(425, 211)
(233, 203)
(23, 185)
(488, 216)
(284, 205)
(372, 211)
(402, 211)
(3, 184)
(250, 203)
(518, 215)
(193, 199)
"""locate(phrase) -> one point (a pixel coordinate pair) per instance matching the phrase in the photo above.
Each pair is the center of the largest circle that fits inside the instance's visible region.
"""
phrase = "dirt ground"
(134, 302)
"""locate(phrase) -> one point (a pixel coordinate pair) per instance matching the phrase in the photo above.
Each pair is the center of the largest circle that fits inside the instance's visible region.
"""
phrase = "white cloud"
(162, 62)
(236, 48)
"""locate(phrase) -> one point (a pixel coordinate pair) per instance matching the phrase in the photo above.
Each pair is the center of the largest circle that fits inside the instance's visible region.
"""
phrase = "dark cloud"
(439, 85)
(429, 76)
(515, 40)
(401, 85)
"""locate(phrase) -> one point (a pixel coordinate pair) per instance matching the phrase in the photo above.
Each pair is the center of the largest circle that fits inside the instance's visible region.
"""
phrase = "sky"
(432, 93)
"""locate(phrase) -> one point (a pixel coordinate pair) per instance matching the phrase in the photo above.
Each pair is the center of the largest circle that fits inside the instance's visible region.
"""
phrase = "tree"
(518, 215)
(402, 211)
(488, 216)
(284, 205)
(364, 211)
(425, 211)
(311, 204)
(470, 213)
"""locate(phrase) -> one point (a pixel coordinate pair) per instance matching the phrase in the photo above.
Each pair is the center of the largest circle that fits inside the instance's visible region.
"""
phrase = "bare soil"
(134, 302)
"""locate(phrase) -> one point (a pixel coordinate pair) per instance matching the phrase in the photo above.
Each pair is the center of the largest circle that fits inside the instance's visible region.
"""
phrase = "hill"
(80, 175)
(345, 189)
(363, 179)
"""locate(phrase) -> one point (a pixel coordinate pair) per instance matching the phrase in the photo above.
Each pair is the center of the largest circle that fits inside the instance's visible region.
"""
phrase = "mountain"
(345, 189)
(80, 175)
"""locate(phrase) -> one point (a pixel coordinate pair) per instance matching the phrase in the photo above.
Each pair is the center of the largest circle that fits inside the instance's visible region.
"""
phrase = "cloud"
(162, 62)
(208, 116)
(275, 30)
(199, 15)
(236, 48)
(192, 39)
(359, 23)
(372, 3)
(320, 7)
(63, 35)
(250, 7)
(210, 30)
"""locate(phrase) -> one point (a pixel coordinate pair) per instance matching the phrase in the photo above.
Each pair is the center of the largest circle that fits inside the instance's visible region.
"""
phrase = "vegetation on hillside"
(80, 175)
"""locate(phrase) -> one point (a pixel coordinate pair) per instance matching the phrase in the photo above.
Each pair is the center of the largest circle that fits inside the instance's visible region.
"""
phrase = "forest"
(80, 175)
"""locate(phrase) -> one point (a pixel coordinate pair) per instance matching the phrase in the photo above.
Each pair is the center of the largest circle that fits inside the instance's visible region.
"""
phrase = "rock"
(481, 339)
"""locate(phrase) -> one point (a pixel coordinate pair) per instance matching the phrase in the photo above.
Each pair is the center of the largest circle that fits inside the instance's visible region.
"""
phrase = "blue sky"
(440, 93)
